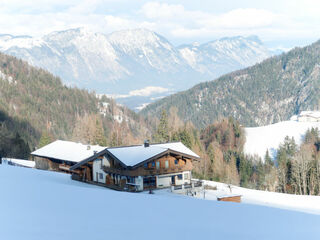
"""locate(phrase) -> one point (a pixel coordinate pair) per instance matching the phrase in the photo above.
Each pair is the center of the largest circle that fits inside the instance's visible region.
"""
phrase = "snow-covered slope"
(259, 139)
(38, 204)
(303, 203)
(130, 60)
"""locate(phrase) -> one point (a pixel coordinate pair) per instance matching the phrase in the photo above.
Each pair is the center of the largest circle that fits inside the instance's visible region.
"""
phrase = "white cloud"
(147, 91)
(144, 92)
(282, 19)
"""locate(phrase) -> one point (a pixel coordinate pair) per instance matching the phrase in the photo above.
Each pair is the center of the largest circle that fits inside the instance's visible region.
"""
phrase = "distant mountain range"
(268, 92)
(125, 62)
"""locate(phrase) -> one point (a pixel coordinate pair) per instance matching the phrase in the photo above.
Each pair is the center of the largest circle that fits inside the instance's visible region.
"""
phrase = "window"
(149, 182)
(153, 164)
(145, 165)
(158, 165)
(179, 176)
(100, 176)
(130, 179)
(176, 161)
(186, 176)
(167, 164)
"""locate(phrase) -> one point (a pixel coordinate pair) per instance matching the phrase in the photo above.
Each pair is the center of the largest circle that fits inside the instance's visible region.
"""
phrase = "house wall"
(97, 173)
(107, 171)
(139, 181)
(166, 179)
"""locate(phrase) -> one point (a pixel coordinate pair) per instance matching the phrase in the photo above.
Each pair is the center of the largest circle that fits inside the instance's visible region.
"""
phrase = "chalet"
(61, 155)
(139, 167)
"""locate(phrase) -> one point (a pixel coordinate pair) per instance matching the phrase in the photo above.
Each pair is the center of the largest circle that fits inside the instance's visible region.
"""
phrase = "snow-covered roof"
(67, 151)
(315, 114)
(133, 155)
(178, 147)
(19, 162)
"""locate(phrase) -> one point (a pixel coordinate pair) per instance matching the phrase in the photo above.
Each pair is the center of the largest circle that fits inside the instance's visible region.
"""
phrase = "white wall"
(165, 180)
(139, 182)
(96, 168)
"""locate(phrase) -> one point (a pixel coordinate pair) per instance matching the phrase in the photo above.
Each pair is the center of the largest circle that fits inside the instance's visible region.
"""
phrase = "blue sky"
(282, 23)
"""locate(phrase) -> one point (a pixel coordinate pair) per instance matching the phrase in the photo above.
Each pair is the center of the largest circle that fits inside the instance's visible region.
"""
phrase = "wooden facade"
(131, 168)
(165, 170)
(232, 198)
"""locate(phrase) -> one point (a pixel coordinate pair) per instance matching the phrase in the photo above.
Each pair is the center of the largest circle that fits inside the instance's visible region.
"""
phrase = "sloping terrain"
(33, 101)
(58, 208)
(261, 139)
(265, 93)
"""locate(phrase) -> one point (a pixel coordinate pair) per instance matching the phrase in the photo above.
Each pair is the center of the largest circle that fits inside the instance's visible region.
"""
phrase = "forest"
(36, 109)
(295, 170)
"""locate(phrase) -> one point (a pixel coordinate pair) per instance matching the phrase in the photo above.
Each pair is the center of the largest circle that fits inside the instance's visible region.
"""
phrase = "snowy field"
(259, 139)
(47, 205)
(303, 203)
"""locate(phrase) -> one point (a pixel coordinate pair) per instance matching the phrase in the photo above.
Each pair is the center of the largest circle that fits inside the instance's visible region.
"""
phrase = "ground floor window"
(100, 176)
(149, 182)
(180, 176)
(130, 179)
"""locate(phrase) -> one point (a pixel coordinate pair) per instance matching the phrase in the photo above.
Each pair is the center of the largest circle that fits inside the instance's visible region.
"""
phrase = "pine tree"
(184, 136)
(45, 139)
(162, 133)
(99, 137)
(267, 159)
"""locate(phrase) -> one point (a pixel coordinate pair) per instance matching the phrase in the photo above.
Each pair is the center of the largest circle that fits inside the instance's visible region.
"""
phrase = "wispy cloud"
(144, 92)
(281, 19)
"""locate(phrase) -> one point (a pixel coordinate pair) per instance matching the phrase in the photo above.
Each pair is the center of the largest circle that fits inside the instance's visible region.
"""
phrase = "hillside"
(33, 101)
(121, 215)
(261, 139)
(123, 62)
(265, 93)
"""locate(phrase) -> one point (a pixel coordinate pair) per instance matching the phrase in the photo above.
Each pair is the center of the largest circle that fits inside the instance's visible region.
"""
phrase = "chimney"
(146, 143)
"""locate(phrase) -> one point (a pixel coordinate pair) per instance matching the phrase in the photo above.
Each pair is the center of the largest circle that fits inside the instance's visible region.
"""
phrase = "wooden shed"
(230, 198)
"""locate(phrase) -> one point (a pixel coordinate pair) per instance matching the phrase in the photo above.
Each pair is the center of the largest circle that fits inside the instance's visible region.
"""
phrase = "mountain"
(216, 58)
(33, 102)
(265, 93)
(130, 60)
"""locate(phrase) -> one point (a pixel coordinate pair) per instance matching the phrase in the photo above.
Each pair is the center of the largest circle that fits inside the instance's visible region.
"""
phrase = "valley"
(124, 62)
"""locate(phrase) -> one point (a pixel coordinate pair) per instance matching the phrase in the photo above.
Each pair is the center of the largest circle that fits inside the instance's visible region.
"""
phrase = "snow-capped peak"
(128, 60)
(8, 41)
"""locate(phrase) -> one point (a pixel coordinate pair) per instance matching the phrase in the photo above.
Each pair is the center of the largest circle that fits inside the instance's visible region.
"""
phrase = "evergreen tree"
(46, 138)
(162, 133)
(99, 137)
(184, 136)
(267, 159)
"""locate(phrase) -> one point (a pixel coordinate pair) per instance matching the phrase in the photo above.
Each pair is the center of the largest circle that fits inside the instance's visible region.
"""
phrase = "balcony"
(145, 172)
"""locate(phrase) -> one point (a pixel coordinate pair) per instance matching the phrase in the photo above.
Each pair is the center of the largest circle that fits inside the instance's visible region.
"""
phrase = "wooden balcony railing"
(145, 172)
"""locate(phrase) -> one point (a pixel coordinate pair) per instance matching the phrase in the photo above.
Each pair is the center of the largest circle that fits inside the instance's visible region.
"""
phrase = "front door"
(173, 180)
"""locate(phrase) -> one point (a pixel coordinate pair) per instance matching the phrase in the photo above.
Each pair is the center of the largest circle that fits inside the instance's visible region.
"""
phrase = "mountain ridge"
(128, 60)
(268, 92)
